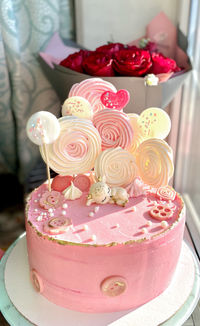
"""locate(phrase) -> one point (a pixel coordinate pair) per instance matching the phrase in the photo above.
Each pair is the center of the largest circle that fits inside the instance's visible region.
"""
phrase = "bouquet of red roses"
(117, 59)
(152, 68)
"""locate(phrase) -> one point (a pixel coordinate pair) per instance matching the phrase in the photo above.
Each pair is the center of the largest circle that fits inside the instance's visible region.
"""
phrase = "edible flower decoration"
(51, 199)
(166, 193)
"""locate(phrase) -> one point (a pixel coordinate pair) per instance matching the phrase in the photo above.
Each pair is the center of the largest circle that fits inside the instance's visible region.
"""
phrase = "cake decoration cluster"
(102, 153)
(92, 89)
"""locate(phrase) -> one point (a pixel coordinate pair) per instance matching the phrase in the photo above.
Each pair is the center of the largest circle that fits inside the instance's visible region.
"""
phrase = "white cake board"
(39, 311)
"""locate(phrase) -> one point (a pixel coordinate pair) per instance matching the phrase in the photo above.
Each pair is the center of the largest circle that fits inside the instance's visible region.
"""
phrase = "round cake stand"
(22, 306)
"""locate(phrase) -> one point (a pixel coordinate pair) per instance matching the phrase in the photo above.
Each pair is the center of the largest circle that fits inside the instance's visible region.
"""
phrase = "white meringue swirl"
(154, 158)
(72, 192)
(138, 137)
(117, 166)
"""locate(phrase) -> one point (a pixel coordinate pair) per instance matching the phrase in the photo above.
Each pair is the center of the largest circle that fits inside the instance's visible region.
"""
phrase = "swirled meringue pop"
(117, 165)
(92, 89)
(76, 149)
(154, 159)
(138, 136)
(114, 128)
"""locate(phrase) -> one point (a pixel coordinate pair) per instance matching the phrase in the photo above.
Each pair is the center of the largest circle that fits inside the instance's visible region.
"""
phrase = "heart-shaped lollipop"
(116, 101)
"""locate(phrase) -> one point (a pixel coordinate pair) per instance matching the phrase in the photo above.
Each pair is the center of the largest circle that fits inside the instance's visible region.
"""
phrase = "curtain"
(26, 26)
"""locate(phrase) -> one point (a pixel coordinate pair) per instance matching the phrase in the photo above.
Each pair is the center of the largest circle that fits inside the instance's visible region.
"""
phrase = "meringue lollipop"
(114, 128)
(117, 166)
(77, 106)
(92, 89)
(138, 137)
(76, 149)
(43, 128)
(154, 123)
(115, 101)
(154, 159)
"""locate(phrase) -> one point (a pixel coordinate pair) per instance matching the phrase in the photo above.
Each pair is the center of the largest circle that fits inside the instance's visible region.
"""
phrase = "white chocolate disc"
(76, 149)
(77, 106)
(154, 159)
(154, 123)
(117, 166)
(43, 127)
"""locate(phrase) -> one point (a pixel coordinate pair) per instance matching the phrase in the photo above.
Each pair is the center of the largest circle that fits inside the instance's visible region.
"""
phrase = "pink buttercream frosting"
(111, 223)
(103, 257)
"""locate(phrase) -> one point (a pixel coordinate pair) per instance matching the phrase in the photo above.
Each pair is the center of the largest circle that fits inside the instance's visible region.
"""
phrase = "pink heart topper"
(116, 101)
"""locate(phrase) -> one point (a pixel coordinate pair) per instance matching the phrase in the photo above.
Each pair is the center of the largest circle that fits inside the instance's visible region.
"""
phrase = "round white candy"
(43, 127)
(77, 106)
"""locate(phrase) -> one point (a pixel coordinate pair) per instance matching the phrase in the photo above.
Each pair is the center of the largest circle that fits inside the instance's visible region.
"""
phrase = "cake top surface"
(105, 224)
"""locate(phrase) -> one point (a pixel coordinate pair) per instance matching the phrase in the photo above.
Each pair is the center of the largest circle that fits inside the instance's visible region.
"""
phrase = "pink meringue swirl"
(137, 188)
(92, 89)
(74, 144)
(76, 149)
(114, 128)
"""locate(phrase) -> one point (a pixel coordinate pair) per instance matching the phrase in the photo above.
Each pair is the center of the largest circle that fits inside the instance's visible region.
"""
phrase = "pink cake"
(106, 233)
(120, 258)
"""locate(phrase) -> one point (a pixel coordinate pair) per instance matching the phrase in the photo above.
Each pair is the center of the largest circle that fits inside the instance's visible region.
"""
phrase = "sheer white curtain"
(25, 29)
(187, 177)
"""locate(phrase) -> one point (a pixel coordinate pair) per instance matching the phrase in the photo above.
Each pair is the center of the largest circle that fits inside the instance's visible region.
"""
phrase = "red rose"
(132, 47)
(132, 62)
(98, 64)
(74, 61)
(162, 64)
(110, 48)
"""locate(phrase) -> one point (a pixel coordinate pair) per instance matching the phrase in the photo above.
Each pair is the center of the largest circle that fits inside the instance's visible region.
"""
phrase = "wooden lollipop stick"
(47, 165)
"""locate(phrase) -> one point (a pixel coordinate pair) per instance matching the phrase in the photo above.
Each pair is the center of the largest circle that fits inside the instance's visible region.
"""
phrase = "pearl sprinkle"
(164, 224)
(96, 209)
(144, 230)
(39, 218)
